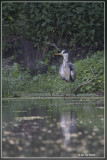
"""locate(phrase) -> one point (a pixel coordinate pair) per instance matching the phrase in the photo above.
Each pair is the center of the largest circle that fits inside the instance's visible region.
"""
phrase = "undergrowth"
(16, 80)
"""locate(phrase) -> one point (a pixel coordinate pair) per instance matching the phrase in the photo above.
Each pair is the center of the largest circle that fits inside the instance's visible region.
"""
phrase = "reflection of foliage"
(68, 25)
(16, 80)
(42, 120)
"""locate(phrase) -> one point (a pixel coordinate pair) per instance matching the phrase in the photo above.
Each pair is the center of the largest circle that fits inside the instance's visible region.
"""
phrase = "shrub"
(16, 80)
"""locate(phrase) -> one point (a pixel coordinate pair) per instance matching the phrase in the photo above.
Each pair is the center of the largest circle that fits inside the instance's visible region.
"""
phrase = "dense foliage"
(74, 26)
(77, 27)
(16, 81)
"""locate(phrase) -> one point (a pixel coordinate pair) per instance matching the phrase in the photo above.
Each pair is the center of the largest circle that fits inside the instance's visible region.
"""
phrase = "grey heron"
(67, 70)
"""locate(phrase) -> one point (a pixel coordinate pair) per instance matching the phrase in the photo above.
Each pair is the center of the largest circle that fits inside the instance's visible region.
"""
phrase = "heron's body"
(67, 70)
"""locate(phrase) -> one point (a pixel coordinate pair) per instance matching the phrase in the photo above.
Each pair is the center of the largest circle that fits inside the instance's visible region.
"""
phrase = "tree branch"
(12, 38)
(54, 45)
(84, 83)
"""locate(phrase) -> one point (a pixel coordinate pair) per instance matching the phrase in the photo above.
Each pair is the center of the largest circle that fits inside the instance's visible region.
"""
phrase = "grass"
(18, 82)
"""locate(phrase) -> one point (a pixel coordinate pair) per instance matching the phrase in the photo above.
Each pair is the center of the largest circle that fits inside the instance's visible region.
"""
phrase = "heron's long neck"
(65, 60)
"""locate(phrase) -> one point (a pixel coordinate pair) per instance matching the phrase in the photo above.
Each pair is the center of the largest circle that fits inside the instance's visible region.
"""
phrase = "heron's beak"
(59, 54)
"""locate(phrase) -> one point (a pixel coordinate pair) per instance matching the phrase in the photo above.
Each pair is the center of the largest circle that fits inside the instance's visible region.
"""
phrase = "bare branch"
(12, 39)
(17, 38)
(101, 43)
(86, 82)
(53, 44)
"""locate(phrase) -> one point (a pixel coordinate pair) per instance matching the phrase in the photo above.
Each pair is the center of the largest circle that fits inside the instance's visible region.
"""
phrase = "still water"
(52, 128)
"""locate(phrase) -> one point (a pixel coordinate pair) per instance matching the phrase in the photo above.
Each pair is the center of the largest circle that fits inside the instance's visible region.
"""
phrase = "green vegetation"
(74, 26)
(17, 81)
(77, 27)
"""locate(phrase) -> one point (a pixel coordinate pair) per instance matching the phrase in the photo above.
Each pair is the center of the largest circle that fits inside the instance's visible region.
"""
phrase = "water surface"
(53, 128)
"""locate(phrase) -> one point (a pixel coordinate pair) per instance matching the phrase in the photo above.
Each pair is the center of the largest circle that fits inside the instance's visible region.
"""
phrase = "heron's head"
(64, 54)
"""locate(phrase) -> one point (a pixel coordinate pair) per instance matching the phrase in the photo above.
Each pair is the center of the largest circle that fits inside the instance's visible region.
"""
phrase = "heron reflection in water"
(67, 70)
(68, 124)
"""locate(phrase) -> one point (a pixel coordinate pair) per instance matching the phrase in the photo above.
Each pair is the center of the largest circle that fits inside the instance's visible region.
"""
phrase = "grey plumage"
(67, 70)
(73, 71)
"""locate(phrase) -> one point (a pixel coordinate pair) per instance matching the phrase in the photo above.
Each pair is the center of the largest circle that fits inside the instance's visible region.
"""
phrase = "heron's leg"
(65, 90)
(70, 90)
